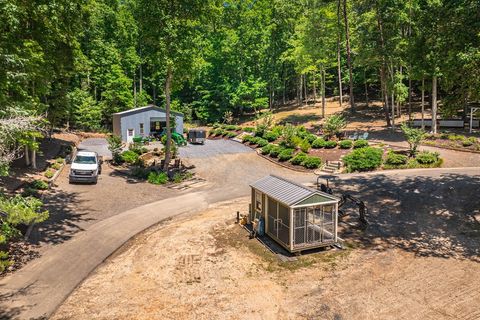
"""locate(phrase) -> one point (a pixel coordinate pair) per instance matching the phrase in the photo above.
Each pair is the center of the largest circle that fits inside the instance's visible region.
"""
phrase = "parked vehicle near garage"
(197, 136)
(86, 167)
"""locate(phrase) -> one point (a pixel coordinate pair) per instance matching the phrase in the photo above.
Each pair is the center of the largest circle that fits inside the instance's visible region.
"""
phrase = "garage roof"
(146, 108)
(288, 192)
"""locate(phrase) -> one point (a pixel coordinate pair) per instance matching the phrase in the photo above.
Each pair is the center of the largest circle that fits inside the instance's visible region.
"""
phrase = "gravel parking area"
(98, 145)
(213, 148)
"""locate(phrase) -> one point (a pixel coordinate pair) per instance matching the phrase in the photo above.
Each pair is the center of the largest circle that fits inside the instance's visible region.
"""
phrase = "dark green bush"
(311, 137)
(157, 177)
(60, 160)
(395, 159)
(219, 132)
(270, 136)
(261, 142)
(231, 134)
(49, 173)
(285, 154)
(345, 144)
(266, 149)
(427, 157)
(39, 185)
(275, 151)
(298, 159)
(360, 144)
(363, 159)
(330, 144)
(129, 156)
(247, 138)
(248, 129)
(216, 125)
(56, 166)
(311, 162)
(305, 146)
(318, 143)
(139, 173)
(231, 127)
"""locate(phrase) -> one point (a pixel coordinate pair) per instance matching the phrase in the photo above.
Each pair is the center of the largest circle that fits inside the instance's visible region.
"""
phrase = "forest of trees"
(75, 62)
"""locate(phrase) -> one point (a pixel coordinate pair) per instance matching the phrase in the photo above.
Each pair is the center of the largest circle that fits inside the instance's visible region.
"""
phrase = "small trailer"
(295, 216)
(197, 136)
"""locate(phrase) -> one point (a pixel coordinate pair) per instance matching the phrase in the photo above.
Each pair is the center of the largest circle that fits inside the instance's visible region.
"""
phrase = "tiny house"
(144, 121)
(297, 217)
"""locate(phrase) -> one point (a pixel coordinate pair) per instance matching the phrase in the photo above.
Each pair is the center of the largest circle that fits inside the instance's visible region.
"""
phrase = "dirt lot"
(417, 260)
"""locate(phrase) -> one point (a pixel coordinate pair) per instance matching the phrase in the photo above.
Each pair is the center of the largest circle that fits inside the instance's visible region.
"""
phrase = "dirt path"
(205, 267)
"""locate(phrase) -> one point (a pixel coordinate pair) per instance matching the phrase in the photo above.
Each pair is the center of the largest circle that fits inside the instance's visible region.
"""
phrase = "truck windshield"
(85, 160)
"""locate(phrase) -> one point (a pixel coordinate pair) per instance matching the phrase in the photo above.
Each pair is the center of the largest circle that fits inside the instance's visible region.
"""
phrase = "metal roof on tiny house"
(291, 193)
(146, 108)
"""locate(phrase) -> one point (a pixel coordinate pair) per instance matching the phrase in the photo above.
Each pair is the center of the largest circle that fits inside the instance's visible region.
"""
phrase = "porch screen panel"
(272, 216)
(328, 222)
(299, 226)
(283, 224)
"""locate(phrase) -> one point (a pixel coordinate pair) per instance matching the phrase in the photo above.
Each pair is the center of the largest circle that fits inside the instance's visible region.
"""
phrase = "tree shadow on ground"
(428, 216)
(298, 119)
(66, 216)
(126, 175)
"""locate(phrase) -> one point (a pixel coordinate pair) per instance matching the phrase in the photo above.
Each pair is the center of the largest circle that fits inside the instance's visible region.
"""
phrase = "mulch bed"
(329, 154)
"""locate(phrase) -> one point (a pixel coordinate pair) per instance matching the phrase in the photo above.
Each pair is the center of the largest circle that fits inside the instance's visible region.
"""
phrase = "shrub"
(414, 137)
(298, 159)
(49, 173)
(278, 130)
(219, 132)
(456, 137)
(275, 151)
(285, 154)
(179, 177)
(363, 159)
(302, 132)
(263, 124)
(248, 129)
(333, 125)
(129, 156)
(157, 177)
(115, 147)
(60, 160)
(247, 138)
(30, 192)
(395, 159)
(39, 185)
(270, 136)
(216, 125)
(311, 137)
(360, 144)
(261, 142)
(231, 127)
(345, 144)
(231, 134)
(266, 149)
(330, 144)
(56, 166)
(469, 142)
(427, 157)
(318, 143)
(311, 162)
(289, 136)
(305, 146)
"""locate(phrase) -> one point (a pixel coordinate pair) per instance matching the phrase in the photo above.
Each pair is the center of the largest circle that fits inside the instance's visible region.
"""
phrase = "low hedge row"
(288, 154)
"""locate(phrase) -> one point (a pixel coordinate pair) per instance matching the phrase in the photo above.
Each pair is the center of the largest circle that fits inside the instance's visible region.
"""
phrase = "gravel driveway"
(213, 148)
(98, 145)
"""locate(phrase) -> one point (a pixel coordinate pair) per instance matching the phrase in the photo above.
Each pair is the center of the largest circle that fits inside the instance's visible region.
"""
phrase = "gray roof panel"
(146, 108)
(284, 190)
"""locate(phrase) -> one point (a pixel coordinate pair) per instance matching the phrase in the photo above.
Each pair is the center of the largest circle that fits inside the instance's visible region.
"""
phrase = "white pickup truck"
(86, 167)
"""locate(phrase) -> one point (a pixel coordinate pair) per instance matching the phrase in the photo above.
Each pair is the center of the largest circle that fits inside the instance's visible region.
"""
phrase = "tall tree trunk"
(423, 103)
(314, 88)
(27, 157)
(393, 112)
(349, 58)
(366, 87)
(34, 157)
(339, 65)
(168, 83)
(305, 85)
(300, 91)
(383, 75)
(434, 104)
(409, 98)
(135, 89)
(323, 93)
(141, 79)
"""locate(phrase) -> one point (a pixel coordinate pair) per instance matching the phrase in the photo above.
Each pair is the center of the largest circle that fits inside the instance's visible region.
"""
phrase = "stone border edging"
(52, 180)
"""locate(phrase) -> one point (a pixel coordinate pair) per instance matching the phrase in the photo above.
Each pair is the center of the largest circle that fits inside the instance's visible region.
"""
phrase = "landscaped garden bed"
(147, 165)
(453, 141)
